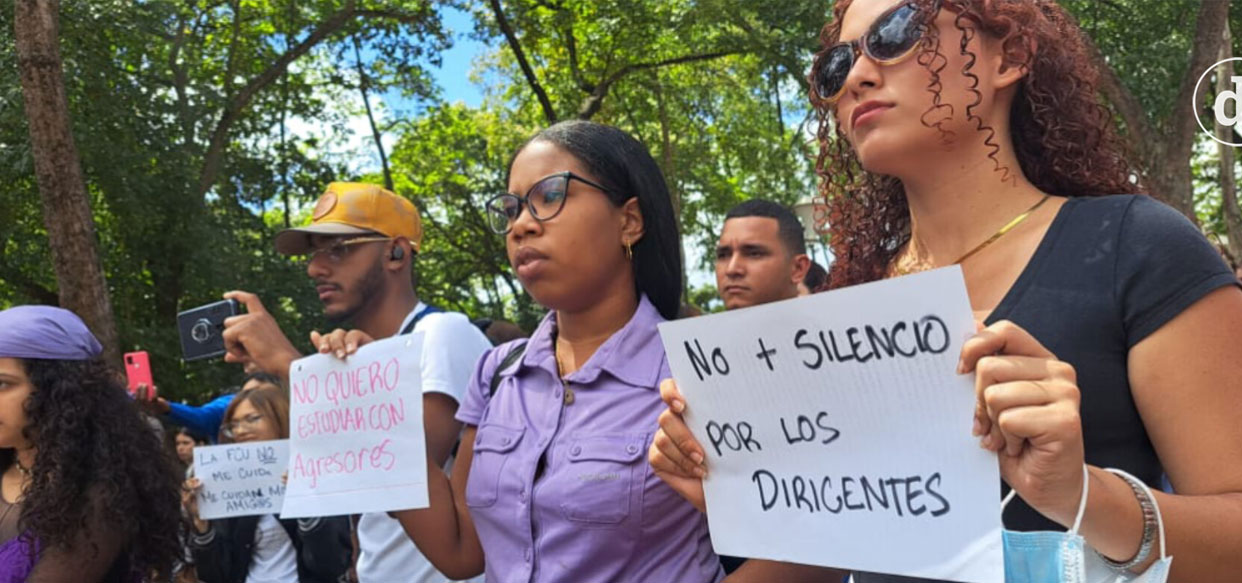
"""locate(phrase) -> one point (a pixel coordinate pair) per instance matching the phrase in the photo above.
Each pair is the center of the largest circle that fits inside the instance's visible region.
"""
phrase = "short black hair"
(815, 277)
(623, 164)
(789, 228)
(194, 435)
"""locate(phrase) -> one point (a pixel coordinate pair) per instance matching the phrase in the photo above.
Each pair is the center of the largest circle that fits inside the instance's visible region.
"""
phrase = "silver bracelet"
(1148, 507)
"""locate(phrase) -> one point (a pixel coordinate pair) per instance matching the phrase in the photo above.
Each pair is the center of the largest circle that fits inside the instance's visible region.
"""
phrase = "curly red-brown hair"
(1063, 137)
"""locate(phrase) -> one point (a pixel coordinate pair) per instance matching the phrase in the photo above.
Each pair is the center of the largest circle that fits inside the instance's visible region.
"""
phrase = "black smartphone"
(202, 329)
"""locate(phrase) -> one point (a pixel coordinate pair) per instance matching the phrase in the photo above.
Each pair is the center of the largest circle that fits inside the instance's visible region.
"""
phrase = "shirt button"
(506, 440)
(527, 556)
(575, 451)
(631, 448)
(522, 496)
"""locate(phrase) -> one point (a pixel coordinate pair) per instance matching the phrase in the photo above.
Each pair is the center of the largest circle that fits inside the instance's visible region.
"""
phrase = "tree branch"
(574, 70)
(180, 80)
(31, 288)
(394, 15)
(1229, 208)
(363, 81)
(213, 158)
(1209, 29)
(591, 105)
(549, 113)
(1139, 133)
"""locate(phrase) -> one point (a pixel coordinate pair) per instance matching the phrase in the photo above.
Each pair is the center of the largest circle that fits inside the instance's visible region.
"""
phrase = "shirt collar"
(634, 354)
(418, 308)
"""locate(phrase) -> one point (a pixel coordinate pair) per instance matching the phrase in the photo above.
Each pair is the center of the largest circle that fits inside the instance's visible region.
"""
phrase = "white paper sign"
(839, 434)
(240, 479)
(356, 431)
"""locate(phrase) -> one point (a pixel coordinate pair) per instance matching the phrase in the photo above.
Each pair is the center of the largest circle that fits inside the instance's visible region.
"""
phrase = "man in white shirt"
(360, 248)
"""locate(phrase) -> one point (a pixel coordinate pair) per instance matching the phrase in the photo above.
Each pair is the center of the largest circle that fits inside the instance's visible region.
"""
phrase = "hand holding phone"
(202, 329)
(255, 337)
(137, 372)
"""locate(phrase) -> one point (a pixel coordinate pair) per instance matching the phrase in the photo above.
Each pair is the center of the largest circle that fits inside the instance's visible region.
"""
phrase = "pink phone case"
(138, 371)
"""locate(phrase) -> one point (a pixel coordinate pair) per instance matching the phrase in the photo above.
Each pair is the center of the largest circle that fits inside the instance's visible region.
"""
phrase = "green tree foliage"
(180, 112)
(206, 126)
(449, 161)
(715, 88)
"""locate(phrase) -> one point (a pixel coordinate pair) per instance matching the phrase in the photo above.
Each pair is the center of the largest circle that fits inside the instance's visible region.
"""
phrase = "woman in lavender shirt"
(551, 481)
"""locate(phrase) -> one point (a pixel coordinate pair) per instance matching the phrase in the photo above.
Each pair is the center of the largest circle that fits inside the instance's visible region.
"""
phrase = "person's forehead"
(244, 408)
(539, 160)
(750, 231)
(12, 367)
(861, 14)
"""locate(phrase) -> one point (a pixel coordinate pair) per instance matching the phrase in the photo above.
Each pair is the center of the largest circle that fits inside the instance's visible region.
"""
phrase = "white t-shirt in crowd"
(274, 559)
(451, 347)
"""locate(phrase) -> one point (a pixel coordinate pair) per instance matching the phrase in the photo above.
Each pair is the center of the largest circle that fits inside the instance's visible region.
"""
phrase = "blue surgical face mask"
(1062, 557)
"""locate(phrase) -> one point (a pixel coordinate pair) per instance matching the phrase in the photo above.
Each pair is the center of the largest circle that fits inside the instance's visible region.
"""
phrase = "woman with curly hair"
(969, 132)
(89, 493)
(264, 549)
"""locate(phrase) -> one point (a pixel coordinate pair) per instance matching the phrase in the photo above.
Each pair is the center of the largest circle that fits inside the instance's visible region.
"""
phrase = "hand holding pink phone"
(138, 372)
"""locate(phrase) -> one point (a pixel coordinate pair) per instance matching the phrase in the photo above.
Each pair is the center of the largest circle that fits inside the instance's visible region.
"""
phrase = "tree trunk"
(363, 82)
(1228, 185)
(66, 207)
(1164, 154)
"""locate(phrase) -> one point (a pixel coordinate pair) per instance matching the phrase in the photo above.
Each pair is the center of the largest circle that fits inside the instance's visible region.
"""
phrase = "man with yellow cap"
(360, 246)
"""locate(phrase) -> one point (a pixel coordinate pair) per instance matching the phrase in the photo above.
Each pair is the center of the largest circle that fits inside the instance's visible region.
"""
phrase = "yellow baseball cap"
(355, 208)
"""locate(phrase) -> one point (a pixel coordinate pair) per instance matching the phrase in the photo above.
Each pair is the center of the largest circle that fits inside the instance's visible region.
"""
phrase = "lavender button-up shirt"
(595, 512)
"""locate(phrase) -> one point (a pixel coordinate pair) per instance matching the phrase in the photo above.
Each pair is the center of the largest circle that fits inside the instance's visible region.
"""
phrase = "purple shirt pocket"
(605, 470)
(492, 444)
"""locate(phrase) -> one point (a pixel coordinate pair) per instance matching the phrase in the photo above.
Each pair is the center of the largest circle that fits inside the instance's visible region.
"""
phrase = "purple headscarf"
(45, 332)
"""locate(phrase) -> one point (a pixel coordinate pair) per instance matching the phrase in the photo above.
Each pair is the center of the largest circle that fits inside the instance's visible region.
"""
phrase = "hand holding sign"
(1027, 410)
(189, 501)
(356, 426)
(237, 479)
(836, 430)
(675, 456)
(340, 342)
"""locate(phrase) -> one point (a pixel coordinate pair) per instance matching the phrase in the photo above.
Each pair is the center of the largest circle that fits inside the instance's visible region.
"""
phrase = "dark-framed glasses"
(337, 250)
(891, 39)
(544, 200)
(247, 423)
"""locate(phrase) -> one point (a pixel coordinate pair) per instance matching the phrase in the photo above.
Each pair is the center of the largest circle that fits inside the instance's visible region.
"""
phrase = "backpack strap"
(514, 355)
(430, 309)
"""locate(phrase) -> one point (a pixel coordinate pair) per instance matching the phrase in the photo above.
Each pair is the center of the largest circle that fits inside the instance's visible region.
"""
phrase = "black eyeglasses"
(544, 199)
(891, 39)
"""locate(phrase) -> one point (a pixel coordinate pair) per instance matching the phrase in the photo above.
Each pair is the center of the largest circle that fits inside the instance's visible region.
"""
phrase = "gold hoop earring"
(629, 251)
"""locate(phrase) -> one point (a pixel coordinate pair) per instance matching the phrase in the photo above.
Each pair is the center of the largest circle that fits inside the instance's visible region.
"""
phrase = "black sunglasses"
(889, 40)
(544, 199)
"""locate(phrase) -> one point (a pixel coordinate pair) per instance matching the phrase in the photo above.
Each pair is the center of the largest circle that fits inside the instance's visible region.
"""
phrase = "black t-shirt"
(1110, 271)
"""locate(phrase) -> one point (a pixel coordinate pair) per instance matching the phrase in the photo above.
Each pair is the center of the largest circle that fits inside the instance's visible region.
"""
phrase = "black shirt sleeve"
(1164, 265)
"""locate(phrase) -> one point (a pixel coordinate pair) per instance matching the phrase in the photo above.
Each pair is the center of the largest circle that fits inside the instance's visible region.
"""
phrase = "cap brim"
(297, 241)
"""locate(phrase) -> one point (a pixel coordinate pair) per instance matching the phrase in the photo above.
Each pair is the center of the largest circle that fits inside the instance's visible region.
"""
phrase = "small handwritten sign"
(240, 479)
(838, 432)
(356, 431)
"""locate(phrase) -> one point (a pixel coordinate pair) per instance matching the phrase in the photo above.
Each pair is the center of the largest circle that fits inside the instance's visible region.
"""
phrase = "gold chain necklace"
(899, 270)
(568, 397)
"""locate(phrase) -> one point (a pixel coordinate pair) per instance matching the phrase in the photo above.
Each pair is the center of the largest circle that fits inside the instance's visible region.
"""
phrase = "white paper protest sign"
(838, 432)
(240, 479)
(356, 431)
